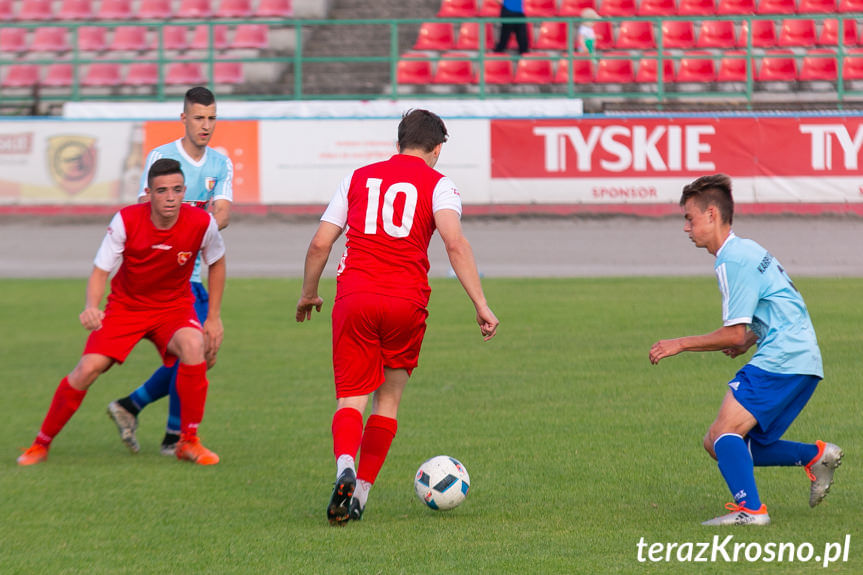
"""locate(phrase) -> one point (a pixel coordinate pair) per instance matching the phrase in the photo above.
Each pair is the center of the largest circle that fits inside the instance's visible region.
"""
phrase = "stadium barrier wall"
(623, 164)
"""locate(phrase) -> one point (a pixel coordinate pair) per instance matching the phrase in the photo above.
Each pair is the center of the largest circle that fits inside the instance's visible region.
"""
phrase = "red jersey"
(157, 264)
(388, 208)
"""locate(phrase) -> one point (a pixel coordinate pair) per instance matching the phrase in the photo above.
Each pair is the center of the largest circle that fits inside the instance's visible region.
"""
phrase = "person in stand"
(390, 210)
(760, 307)
(512, 9)
(154, 244)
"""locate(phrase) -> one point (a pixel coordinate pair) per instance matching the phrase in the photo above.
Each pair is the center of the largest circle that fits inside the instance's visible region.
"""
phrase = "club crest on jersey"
(183, 257)
(210, 183)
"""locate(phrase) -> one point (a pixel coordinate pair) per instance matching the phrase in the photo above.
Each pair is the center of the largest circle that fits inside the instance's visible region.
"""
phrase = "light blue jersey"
(756, 291)
(210, 178)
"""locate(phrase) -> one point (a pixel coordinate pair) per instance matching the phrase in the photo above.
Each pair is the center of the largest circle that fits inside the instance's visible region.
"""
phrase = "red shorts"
(371, 332)
(122, 329)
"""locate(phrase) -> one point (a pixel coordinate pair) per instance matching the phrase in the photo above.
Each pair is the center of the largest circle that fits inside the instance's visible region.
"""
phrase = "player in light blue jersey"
(209, 180)
(760, 306)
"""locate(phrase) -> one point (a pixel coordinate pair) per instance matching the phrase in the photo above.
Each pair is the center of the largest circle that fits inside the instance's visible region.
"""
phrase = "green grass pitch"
(576, 446)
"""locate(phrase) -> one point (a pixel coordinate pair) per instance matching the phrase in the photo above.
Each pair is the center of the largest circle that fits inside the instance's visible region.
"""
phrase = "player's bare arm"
(214, 331)
(316, 259)
(461, 258)
(222, 213)
(725, 337)
(91, 317)
(737, 350)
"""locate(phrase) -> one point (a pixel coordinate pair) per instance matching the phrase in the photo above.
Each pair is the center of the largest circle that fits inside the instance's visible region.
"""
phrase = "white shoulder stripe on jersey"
(722, 277)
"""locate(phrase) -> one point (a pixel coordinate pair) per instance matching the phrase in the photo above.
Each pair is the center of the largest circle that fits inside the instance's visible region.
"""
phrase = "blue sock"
(737, 468)
(154, 388)
(173, 425)
(782, 453)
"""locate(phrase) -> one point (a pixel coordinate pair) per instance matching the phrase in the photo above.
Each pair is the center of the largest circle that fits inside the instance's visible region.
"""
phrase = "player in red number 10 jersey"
(157, 243)
(390, 211)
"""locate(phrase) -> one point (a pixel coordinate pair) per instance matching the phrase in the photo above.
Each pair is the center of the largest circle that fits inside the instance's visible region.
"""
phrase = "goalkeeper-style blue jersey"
(756, 291)
(210, 178)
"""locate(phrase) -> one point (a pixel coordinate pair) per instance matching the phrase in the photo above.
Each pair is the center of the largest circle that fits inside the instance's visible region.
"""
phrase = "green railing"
(291, 70)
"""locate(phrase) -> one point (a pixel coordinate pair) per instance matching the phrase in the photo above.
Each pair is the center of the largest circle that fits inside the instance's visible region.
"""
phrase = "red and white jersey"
(157, 264)
(388, 208)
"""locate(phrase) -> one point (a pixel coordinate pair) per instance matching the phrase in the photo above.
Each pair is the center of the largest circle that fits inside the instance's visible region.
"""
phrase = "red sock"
(377, 439)
(347, 431)
(66, 402)
(192, 390)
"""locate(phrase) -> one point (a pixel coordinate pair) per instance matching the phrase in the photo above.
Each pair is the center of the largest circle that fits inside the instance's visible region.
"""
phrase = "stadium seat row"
(645, 35)
(41, 10)
(133, 38)
(104, 74)
(621, 68)
(624, 8)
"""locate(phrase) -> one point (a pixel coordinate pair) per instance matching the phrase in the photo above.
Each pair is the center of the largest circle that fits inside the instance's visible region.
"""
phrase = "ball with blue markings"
(442, 482)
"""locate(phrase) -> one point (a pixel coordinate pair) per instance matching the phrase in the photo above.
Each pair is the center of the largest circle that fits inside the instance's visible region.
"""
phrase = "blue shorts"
(775, 399)
(202, 301)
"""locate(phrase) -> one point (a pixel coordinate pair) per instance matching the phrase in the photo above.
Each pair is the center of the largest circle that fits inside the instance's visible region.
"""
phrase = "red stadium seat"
(716, 34)
(851, 5)
(490, 9)
(616, 8)
(154, 10)
(228, 73)
(604, 39)
(115, 10)
(571, 8)
(50, 40)
(435, 36)
(173, 38)
(763, 34)
(201, 37)
(553, 36)
(92, 39)
(7, 13)
(830, 32)
(102, 74)
(726, 7)
(819, 65)
(142, 74)
(498, 70)
(852, 65)
(414, 69)
(184, 74)
(615, 70)
(635, 35)
(454, 68)
(816, 6)
(777, 66)
(777, 6)
(234, 9)
(59, 76)
(582, 71)
(458, 9)
(534, 70)
(696, 67)
(797, 33)
(129, 38)
(540, 8)
(194, 9)
(251, 36)
(75, 10)
(35, 10)
(696, 8)
(648, 69)
(732, 67)
(657, 8)
(21, 76)
(468, 36)
(677, 34)
(13, 39)
(275, 9)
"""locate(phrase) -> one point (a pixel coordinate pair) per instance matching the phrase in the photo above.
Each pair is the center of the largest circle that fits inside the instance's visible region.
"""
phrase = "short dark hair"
(163, 167)
(712, 190)
(421, 129)
(198, 95)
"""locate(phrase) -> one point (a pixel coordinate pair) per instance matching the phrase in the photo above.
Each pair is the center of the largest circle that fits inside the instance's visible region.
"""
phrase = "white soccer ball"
(442, 482)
